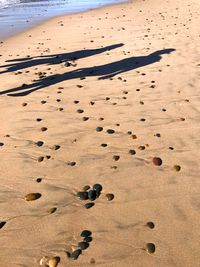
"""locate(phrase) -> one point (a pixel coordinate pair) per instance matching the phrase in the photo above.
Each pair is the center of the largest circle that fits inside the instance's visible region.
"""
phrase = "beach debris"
(32, 196)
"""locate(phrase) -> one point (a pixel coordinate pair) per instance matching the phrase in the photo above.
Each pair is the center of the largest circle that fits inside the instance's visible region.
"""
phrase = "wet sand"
(99, 132)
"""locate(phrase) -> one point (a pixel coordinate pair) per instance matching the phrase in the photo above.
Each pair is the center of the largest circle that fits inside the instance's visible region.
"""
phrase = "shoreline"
(104, 102)
(36, 24)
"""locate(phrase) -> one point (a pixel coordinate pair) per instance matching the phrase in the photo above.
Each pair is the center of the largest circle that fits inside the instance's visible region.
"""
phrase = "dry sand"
(146, 54)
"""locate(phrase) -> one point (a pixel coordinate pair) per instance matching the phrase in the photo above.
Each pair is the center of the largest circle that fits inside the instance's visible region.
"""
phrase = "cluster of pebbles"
(82, 245)
(91, 194)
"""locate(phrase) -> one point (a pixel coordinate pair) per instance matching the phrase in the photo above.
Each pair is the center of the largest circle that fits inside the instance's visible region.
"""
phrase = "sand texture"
(108, 97)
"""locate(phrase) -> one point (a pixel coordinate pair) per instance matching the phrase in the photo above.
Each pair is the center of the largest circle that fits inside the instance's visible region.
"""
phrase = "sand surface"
(132, 68)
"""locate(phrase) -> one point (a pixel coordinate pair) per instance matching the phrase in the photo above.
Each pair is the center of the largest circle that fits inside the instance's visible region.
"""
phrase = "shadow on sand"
(105, 71)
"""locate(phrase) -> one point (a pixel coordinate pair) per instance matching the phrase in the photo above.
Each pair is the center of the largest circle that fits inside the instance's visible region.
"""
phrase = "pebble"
(40, 159)
(71, 163)
(177, 168)
(55, 147)
(2, 224)
(99, 129)
(43, 129)
(39, 143)
(110, 131)
(150, 247)
(157, 161)
(32, 196)
(86, 233)
(141, 147)
(80, 110)
(83, 245)
(89, 205)
(97, 187)
(116, 157)
(104, 145)
(52, 210)
(75, 254)
(53, 262)
(87, 239)
(1, 144)
(92, 195)
(86, 187)
(151, 225)
(132, 152)
(39, 180)
(110, 197)
(82, 195)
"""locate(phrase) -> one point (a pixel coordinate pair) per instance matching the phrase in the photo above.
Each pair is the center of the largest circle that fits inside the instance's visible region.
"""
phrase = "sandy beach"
(100, 132)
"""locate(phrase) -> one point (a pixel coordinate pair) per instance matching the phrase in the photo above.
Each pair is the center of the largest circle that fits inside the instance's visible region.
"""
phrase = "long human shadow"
(105, 71)
(22, 63)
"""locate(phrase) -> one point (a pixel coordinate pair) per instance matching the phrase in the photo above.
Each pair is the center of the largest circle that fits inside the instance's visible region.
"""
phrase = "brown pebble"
(24, 104)
(110, 197)
(40, 159)
(141, 147)
(150, 248)
(157, 161)
(116, 157)
(55, 147)
(151, 225)
(132, 152)
(32, 196)
(53, 262)
(177, 168)
(134, 136)
(43, 129)
(52, 210)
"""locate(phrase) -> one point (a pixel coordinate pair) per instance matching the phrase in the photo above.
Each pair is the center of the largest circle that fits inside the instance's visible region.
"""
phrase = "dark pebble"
(104, 145)
(89, 205)
(71, 163)
(141, 147)
(38, 119)
(39, 143)
(99, 129)
(86, 233)
(87, 239)
(2, 224)
(92, 195)
(150, 247)
(80, 110)
(82, 195)
(157, 161)
(40, 159)
(97, 187)
(83, 245)
(132, 152)
(110, 131)
(1, 144)
(39, 180)
(43, 129)
(151, 225)
(116, 157)
(75, 254)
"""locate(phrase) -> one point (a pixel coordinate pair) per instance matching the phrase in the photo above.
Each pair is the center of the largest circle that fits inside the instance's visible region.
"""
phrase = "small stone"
(99, 129)
(40, 159)
(24, 104)
(89, 205)
(86, 187)
(97, 187)
(39, 143)
(104, 145)
(43, 102)
(80, 110)
(86, 233)
(151, 225)
(38, 119)
(92, 195)
(53, 262)
(82, 195)
(157, 161)
(32, 196)
(110, 131)
(141, 147)
(1, 144)
(92, 261)
(71, 163)
(39, 180)
(83, 245)
(52, 210)
(2, 223)
(132, 152)
(43, 129)
(110, 197)
(116, 157)
(85, 118)
(177, 168)
(88, 239)
(134, 136)
(75, 254)
(55, 147)
(150, 247)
